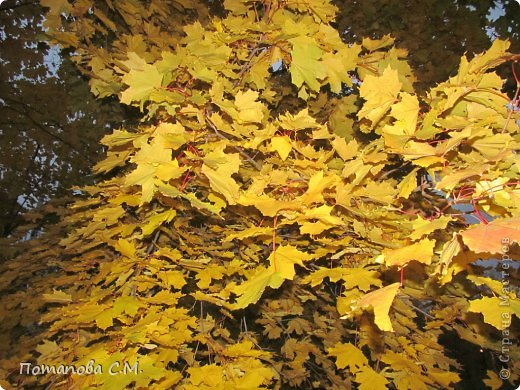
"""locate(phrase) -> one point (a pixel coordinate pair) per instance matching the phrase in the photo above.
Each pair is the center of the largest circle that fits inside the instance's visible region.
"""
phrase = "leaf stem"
(274, 242)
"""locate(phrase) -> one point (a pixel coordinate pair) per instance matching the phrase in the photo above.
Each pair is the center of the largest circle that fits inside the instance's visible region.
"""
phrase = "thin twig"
(510, 114)
(154, 241)
(246, 66)
(244, 154)
(418, 308)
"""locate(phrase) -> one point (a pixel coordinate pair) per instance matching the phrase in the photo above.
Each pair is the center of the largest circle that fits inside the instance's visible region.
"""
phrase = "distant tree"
(50, 123)
(436, 33)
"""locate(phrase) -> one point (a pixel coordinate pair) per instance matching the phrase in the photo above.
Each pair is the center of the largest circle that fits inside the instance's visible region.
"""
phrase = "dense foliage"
(289, 213)
(46, 147)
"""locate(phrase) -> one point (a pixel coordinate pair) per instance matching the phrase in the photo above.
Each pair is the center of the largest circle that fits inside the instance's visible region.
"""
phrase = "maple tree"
(287, 213)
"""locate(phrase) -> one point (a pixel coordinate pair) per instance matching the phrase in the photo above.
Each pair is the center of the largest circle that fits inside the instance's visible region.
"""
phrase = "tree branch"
(12, 7)
(46, 131)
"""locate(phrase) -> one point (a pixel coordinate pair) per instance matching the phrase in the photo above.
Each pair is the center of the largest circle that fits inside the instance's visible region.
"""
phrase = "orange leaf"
(493, 236)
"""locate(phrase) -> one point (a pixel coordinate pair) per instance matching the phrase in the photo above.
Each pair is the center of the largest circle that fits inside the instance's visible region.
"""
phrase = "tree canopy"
(291, 211)
(47, 148)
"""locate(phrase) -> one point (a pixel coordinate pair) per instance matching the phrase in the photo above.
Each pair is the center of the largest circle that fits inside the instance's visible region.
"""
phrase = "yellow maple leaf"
(421, 251)
(251, 290)
(353, 277)
(153, 161)
(444, 378)
(361, 278)
(314, 228)
(449, 250)
(255, 375)
(171, 135)
(218, 167)
(244, 349)
(215, 207)
(57, 6)
(322, 10)
(406, 112)
(493, 381)
(169, 170)
(120, 138)
(206, 275)
(47, 350)
(149, 370)
(105, 319)
(112, 160)
(337, 71)
(348, 355)
(408, 184)
(141, 82)
(422, 227)
(380, 300)
(323, 214)
(369, 379)
(173, 278)
(494, 285)
(126, 304)
(344, 150)
(497, 311)
(409, 373)
(305, 64)
(268, 206)
(379, 92)
(450, 181)
(222, 183)
(253, 231)
(302, 120)
(282, 145)
(143, 175)
(126, 248)
(285, 257)
(492, 57)
(375, 44)
(156, 220)
(317, 184)
(57, 297)
(249, 110)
